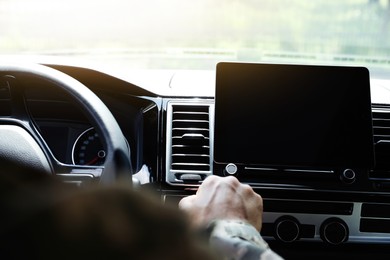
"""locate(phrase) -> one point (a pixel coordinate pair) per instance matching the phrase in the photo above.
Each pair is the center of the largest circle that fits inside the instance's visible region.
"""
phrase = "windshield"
(178, 34)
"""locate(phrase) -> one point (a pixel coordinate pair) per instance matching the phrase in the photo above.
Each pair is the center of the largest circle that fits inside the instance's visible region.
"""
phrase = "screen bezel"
(225, 152)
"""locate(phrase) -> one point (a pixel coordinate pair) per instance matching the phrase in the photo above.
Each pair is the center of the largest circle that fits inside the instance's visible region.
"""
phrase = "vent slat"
(191, 150)
(191, 108)
(189, 120)
(194, 116)
(190, 142)
(190, 167)
(190, 124)
(187, 133)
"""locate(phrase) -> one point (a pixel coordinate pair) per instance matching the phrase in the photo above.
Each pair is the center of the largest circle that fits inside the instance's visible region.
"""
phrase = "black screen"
(293, 115)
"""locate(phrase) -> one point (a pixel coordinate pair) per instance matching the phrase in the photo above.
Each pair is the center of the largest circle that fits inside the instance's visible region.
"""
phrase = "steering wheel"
(21, 144)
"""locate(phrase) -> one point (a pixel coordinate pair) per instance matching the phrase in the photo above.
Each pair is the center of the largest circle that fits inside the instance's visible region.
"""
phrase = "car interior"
(311, 137)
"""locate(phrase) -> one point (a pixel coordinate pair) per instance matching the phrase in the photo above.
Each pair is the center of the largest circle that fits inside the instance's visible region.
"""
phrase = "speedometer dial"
(88, 149)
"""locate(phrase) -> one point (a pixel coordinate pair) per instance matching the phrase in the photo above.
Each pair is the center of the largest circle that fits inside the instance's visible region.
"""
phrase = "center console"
(302, 137)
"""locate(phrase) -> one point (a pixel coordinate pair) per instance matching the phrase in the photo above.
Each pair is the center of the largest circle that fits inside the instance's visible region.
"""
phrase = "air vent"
(381, 129)
(375, 218)
(189, 142)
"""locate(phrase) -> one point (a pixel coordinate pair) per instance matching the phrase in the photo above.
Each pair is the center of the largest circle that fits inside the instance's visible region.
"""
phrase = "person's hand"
(223, 198)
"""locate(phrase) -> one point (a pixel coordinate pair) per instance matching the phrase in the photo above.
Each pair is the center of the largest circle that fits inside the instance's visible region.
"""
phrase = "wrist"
(236, 229)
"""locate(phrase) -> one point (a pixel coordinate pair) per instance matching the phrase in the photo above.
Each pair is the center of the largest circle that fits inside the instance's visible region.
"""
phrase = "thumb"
(187, 203)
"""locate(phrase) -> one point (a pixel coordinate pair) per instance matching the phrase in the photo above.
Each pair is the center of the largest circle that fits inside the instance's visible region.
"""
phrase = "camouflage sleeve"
(239, 240)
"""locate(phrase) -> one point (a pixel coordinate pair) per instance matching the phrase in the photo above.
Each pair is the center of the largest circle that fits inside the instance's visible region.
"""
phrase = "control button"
(231, 168)
(348, 176)
(334, 231)
(287, 229)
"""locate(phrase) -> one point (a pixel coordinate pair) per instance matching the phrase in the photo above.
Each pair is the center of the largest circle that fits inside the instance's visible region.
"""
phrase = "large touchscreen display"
(293, 116)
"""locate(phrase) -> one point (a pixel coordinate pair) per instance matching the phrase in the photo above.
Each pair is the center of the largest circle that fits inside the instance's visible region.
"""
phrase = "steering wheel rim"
(117, 163)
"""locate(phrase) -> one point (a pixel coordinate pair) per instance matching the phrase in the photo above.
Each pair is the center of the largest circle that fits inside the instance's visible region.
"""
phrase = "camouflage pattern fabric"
(233, 239)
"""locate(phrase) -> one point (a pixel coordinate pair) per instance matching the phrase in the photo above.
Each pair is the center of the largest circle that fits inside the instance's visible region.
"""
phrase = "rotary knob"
(334, 231)
(348, 176)
(230, 169)
(287, 229)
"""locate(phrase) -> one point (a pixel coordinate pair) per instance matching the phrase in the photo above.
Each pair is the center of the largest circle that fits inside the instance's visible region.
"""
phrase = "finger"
(209, 182)
(248, 192)
(232, 180)
(187, 202)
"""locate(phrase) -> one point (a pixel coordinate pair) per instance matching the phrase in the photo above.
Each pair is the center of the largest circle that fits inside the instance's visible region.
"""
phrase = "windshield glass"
(177, 34)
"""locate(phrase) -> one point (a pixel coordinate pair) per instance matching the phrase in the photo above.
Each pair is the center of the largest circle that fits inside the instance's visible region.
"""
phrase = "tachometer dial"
(88, 149)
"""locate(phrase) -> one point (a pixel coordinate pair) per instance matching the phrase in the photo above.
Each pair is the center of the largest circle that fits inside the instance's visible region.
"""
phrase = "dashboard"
(172, 137)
